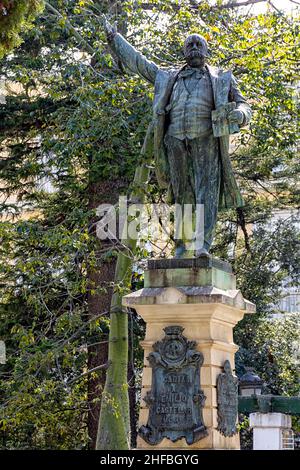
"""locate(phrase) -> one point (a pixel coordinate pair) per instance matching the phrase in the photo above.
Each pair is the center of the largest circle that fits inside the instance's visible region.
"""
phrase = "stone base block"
(268, 430)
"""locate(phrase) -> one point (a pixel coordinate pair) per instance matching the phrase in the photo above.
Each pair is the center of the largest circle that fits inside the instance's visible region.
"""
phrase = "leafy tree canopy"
(16, 17)
(70, 138)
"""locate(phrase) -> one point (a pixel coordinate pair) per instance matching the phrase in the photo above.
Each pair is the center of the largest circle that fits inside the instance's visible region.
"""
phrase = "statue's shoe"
(180, 251)
(201, 252)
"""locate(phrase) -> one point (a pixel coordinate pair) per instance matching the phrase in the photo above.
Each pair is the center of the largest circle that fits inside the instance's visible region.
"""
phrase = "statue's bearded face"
(195, 50)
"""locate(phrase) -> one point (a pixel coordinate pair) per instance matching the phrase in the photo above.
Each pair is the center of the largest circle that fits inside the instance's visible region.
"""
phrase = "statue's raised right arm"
(133, 60)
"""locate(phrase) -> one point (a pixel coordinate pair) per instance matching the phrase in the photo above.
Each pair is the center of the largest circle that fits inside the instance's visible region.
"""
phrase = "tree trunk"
(131, 383)
(100, 278)
(98, 351)
(101, 193)
(114, 423)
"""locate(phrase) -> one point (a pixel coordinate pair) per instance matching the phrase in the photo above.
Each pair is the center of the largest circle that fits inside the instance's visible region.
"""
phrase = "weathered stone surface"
(269, 429)
(208, 314)
(189, 277)
(188, 295)
(204, 261)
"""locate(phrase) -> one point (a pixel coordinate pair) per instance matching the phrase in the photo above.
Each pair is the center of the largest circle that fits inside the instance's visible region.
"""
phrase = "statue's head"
(195, 50)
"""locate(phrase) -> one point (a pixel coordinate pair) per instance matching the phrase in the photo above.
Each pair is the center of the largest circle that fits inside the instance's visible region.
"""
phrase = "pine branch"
(95, 369)
(194, 6)
(71, 28)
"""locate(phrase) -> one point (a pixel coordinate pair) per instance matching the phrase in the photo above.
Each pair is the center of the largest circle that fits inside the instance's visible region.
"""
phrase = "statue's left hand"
(236, 116)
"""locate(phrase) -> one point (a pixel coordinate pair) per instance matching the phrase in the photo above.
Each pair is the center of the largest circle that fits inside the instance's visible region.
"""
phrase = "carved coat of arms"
(227, 398)
(175, 401)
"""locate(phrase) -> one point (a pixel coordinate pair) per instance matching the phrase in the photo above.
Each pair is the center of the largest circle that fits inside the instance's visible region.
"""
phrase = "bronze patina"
(227, 399)
(195, 109)
(176, 400)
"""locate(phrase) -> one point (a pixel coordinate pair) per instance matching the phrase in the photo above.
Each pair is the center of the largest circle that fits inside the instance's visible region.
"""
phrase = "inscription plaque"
(227, 393)
(175, 401)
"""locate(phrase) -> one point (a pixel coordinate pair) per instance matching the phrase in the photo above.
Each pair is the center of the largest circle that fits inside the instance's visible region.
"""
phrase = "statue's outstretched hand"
(111, 30)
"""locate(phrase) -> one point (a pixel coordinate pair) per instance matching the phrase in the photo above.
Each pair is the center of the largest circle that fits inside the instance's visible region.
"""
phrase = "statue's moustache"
(195, 53)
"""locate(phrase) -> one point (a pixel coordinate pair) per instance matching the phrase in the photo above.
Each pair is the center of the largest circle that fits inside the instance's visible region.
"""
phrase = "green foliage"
(44, 322)
(16, 17)
(70, 138)
(277, 354)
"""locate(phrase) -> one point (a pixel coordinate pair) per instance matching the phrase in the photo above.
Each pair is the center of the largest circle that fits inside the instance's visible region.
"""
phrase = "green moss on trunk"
(114, 423)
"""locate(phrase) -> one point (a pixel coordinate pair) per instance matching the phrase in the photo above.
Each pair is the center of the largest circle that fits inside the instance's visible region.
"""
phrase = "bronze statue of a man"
(195, 109)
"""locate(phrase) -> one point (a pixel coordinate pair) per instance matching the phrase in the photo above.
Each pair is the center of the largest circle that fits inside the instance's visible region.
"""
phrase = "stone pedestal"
(271, 431)
(200, 295)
